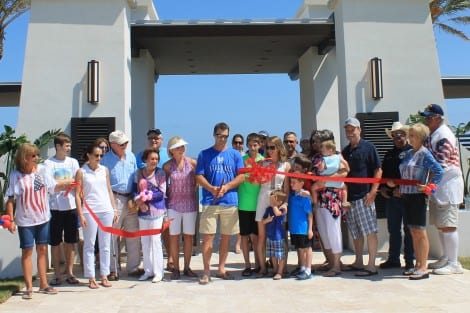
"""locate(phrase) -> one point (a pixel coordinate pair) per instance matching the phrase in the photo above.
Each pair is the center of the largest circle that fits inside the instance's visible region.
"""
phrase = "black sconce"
(376, 78)
(93, 81)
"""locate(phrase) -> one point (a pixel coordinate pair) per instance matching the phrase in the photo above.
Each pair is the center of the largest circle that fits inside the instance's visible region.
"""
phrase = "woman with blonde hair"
(182, 203)
(417, 164)
(276, 156)
(28, 189)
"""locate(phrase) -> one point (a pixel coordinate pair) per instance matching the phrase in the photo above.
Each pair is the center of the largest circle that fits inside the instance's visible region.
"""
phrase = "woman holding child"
(276, 156)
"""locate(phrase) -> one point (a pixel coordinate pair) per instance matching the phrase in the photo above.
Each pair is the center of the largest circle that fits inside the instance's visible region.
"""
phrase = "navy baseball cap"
(432, 109)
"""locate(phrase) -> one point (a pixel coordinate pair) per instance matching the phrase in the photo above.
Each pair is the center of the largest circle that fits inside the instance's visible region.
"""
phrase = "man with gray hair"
(291, 142)
(444, 203)
(361, 218)
(122, 166)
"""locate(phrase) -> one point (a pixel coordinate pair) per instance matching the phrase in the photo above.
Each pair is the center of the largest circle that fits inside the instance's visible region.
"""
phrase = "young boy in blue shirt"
(300, 227)
(274, 219)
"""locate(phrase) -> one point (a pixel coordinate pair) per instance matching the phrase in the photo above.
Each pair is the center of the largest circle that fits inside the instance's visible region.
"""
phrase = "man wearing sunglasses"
(122, 166)
(155, 141)
(217, 173)
(394, 207)
(291, 142)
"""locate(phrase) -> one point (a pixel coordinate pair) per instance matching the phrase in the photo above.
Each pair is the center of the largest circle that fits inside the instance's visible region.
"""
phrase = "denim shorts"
(31, 234)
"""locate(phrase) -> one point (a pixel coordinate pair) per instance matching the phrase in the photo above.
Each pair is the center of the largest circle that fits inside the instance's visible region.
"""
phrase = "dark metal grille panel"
(373, 127)
(86, 129)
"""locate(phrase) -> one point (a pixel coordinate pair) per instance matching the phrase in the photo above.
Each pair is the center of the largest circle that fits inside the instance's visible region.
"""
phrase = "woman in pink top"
(181, 203)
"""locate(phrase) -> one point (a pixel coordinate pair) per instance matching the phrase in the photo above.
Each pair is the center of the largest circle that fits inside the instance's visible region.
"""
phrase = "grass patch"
(9, 287)
(465, 262)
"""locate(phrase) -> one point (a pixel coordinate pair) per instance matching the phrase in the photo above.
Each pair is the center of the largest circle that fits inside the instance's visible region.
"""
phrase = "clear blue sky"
(246, 102)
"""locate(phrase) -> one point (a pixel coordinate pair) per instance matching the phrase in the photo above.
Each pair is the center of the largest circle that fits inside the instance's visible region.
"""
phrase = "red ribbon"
(260, 174)
(117, 231)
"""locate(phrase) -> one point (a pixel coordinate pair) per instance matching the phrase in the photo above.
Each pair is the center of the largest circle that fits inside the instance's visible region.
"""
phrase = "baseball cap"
(432, 109)
(263, 133)
(352, 121)
(118, 137)
(155, 131)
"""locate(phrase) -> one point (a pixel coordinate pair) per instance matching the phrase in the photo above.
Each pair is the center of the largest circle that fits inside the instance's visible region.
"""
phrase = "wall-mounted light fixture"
(376, 78)
(93, 82)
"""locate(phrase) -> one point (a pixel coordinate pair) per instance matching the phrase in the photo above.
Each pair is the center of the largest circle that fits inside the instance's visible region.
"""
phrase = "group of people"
(115, 189)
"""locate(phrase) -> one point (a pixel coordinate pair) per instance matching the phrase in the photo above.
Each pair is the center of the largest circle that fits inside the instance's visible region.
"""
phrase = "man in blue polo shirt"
(361, 218)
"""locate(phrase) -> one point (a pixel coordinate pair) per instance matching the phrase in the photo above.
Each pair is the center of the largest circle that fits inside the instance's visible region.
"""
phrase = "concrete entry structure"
(334, 80)
(334, 71)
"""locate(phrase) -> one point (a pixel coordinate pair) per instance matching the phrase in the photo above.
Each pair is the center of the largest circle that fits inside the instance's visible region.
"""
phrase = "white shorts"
(185, 220)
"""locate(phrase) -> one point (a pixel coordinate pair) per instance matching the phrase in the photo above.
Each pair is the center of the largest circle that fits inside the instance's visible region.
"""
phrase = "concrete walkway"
(387, 292)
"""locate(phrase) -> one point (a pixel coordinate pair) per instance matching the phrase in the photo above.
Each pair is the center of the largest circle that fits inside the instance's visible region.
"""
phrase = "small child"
(333, 194)
(300, 227)
(274, 218)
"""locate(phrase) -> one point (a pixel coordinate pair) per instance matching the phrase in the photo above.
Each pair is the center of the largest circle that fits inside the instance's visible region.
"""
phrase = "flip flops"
(350, 268)
(55, 281)
(205, 279)
(331, 273)
(365, 273)
(225, 276)
(247, 272)
(27, 295)
(93, 284)
(189, 273)
(48, 291)
(72, 280)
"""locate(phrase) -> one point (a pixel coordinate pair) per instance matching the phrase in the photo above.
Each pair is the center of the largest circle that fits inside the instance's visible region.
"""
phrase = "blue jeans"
(395, 211)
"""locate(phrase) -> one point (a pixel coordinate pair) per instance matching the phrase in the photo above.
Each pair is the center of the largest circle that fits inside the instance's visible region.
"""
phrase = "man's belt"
(122, 194)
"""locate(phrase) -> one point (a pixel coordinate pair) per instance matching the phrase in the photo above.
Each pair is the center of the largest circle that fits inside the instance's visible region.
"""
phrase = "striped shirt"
(417, 165)
(444, 146)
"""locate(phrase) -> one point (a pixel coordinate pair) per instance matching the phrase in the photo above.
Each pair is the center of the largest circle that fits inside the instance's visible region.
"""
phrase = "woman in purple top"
(181, 203)
(150, 201)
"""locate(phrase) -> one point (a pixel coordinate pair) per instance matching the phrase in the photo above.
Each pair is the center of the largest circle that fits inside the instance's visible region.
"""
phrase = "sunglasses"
(123, 145)
(98, 155)
(289, 141)
(154, 137)
(104, 148)
(271, 148)
(237, 142)
(398, 135)
(220, 136)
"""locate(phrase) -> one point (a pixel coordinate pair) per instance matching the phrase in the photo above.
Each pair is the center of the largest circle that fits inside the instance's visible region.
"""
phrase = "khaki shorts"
(228, 216)
(446, 215)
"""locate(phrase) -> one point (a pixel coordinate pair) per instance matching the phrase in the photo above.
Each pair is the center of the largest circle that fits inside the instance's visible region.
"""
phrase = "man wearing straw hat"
(394, 205)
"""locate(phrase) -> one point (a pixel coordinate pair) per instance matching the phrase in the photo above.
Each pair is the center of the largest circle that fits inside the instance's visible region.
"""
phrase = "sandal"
(27, 295)
(93, 284)
(205, 279)
(72, 280)
(277, 276)
(261, 274)
(225, 276)
(188, 272)
(331, 273)
(418, 275)
(55, 282)
(48, 291)
(105, 283)
(247, 272)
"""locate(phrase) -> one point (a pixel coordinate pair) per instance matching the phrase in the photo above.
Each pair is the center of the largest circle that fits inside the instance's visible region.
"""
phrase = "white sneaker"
(156, 279)
(450, 268)
(144, 277)
(438, 264)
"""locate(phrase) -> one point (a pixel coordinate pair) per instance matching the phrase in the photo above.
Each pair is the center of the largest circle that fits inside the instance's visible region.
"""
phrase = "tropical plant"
(9, 11)
(9, 144)
(447, 14)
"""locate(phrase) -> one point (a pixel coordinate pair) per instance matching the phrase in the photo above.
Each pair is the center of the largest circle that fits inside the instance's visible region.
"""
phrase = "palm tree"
(9, 11)
(447, 14)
